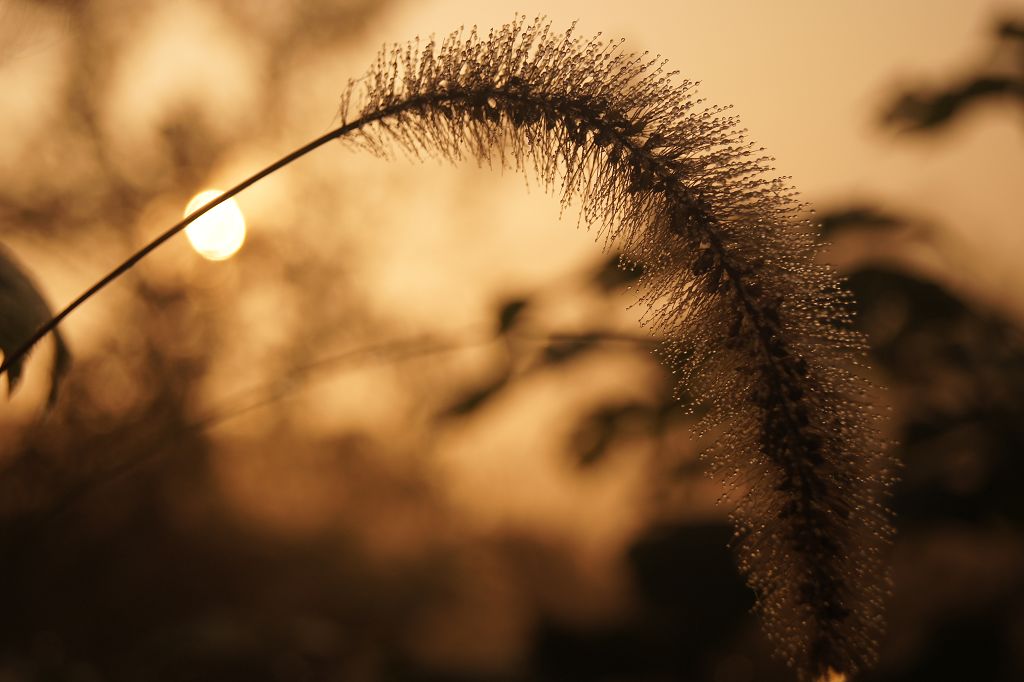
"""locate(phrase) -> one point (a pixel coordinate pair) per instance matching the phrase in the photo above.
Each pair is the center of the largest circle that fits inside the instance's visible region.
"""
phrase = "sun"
(219, 233)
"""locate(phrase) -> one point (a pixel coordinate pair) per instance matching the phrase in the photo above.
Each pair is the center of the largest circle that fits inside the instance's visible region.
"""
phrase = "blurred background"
(412, 429)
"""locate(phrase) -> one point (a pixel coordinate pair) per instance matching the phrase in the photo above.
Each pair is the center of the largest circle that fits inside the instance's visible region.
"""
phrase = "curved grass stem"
(130, 262)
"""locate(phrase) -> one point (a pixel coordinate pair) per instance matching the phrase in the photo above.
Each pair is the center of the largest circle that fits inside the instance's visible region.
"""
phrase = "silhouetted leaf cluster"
(530, 351)
(930, 109)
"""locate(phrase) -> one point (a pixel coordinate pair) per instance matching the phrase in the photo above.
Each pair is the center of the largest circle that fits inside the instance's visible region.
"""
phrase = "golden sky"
(810, 79)
(345, 251)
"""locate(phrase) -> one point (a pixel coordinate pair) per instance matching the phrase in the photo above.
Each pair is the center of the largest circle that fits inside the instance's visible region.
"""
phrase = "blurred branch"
(1010, 29)
(929, 109)
(859, 217)
(399, 350)
(395, 350)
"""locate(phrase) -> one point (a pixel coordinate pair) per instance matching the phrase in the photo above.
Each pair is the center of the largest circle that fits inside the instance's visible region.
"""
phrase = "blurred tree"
(144, 538)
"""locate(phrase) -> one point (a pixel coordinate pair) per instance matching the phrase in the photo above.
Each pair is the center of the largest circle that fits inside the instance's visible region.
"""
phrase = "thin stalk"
(130, 262)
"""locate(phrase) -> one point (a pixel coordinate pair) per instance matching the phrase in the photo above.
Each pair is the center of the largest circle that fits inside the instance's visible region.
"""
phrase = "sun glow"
(219, 233)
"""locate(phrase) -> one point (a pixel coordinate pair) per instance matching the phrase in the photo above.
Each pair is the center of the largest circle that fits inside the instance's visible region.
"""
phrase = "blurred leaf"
(959, 367)
(928, 303)
(857, 217)
(910, 321)
(22, 312)
(563, 350)
(593, 436)
(1011, 30)
(510, 313)
(616, 272)
(475, 398)
(929, 331)
(679, 632)
(928, 110)
(599, 428)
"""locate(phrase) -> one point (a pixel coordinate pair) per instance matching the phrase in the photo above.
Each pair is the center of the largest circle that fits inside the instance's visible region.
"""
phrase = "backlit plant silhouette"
(758, 330)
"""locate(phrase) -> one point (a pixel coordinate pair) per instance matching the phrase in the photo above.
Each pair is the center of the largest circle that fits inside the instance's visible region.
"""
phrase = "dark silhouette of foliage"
(730, 279)
(22, 311)
(151, 576)
(859, 217)
(931, 109)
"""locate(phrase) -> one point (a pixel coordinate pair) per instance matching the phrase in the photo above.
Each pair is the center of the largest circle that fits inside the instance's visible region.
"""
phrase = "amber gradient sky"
(430, 249)
(809, 79)
(402, 248)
